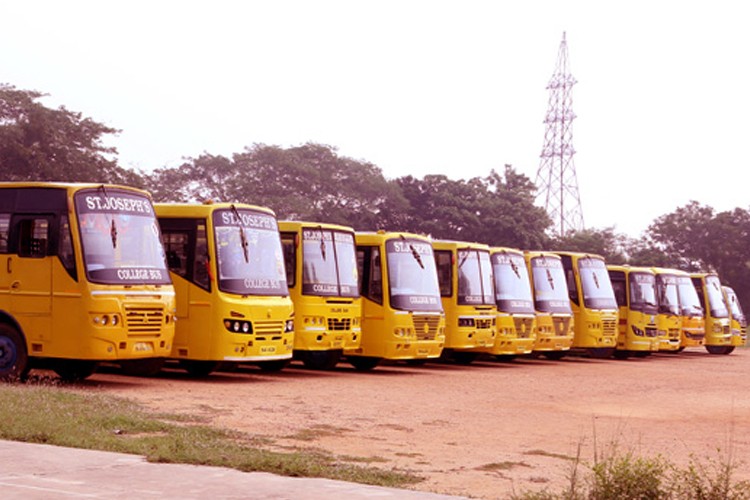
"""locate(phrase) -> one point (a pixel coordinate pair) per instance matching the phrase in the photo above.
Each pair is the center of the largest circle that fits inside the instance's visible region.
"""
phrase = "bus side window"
(201, 261)
(572, 287)
(445, 272)
(370, 274)
(290, 257)
(65, 248)
(619, 288)
(4, 232)
(33, 237)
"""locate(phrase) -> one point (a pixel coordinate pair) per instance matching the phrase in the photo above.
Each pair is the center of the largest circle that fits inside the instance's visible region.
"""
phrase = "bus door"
(186, 247)
(29, 273)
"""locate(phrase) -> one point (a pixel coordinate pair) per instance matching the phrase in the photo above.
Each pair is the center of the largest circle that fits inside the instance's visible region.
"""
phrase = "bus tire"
(555, 355)
(197, 368)
(321, 360)
(719, 349)
(146, 367)
(14, 360)
(273, 366)
(505, 357)
(621, 354)
(363, 363)
(74, 370)
(601, 352)
(464, 357)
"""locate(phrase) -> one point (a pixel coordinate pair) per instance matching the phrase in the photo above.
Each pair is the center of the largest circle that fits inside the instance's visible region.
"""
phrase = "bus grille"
(651, 332)
(268, 327)
(562, 326)
(339, 324)
(144, 319)
(426, 327)
(674, 333)
(483, 323)
(523, 327)
(609, 327)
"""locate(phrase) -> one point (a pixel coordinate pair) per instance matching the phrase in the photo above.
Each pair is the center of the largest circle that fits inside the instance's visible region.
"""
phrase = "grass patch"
(316, 432)
(52, 415)
(499, 466)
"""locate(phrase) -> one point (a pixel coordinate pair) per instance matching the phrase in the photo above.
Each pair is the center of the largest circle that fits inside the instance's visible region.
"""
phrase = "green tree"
(604, 242)
(497, 209)
(38, 143)
(308, 182)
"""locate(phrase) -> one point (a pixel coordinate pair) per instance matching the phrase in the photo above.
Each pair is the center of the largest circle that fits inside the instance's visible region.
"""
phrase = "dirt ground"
(484, 430)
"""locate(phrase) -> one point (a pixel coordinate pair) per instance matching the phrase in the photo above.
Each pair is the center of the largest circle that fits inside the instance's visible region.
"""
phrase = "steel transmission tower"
(556, 178)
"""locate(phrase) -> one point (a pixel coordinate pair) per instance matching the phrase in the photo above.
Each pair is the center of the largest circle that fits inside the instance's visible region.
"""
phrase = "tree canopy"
(38, 143)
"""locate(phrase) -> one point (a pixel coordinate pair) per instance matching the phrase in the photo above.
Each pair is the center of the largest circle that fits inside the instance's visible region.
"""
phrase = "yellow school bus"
(233, 304)
(593, 302)
(321, 271)
(82, 279)
(402, 315)
(718, 338)
(691, 311)
(668, 317)
(516, 318)
(737, 317)
(635, 293)
(466, 290)
(554, 316)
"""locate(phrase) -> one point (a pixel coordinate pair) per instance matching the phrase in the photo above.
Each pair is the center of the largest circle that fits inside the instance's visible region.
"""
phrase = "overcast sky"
(415, 87)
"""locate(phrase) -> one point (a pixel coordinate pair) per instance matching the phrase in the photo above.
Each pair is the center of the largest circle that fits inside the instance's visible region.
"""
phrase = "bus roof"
(202, 209)
(296, 225)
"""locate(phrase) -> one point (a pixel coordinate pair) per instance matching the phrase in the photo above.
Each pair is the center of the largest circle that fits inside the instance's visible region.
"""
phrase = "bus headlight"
(236, 326)
(637, 331)
(289, 326)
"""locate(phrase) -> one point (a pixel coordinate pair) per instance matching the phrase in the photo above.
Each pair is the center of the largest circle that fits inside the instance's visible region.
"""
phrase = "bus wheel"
(555, 355)
(363, 363)
(198, 368)
(321, 360)
(14, 362)
(147, 367)
(601, 352)
(505, 357)
(273, 366)
(464, 357)
(621, 354)
(719, 349)
(74, 370)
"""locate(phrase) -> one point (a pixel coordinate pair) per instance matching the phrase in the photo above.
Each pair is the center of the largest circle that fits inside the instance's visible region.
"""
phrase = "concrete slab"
(34, 471)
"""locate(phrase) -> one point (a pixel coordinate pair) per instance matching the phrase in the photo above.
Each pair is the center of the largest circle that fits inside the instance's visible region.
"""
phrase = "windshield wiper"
(550, 279)
(322, 243)
(243, 238)
(113, 226)
(414, 252)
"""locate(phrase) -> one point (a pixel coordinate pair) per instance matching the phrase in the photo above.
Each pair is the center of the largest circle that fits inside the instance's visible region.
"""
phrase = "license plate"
(269, 349)
(143, 347)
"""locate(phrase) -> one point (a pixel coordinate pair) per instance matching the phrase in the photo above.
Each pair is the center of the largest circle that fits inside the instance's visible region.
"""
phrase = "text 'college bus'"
(718, 339)
(233, 303)
(467, 293)
(554, 316)
(668, 318)
(593, 301)
(321, 267)
(82, 279)
(402, 315)
(635, 292)
(736, 316)
(516, 318)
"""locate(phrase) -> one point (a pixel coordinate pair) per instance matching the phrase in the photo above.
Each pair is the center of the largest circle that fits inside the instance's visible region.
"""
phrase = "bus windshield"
(120, 238)
(666, 294)
(734, 305)
(690, 304)
(249, 254)
(595, 284)
(716, 298)
(512, 285)
(643, 292)
(550, 287)
(412, 276)
(474, 277)
(329, 263)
